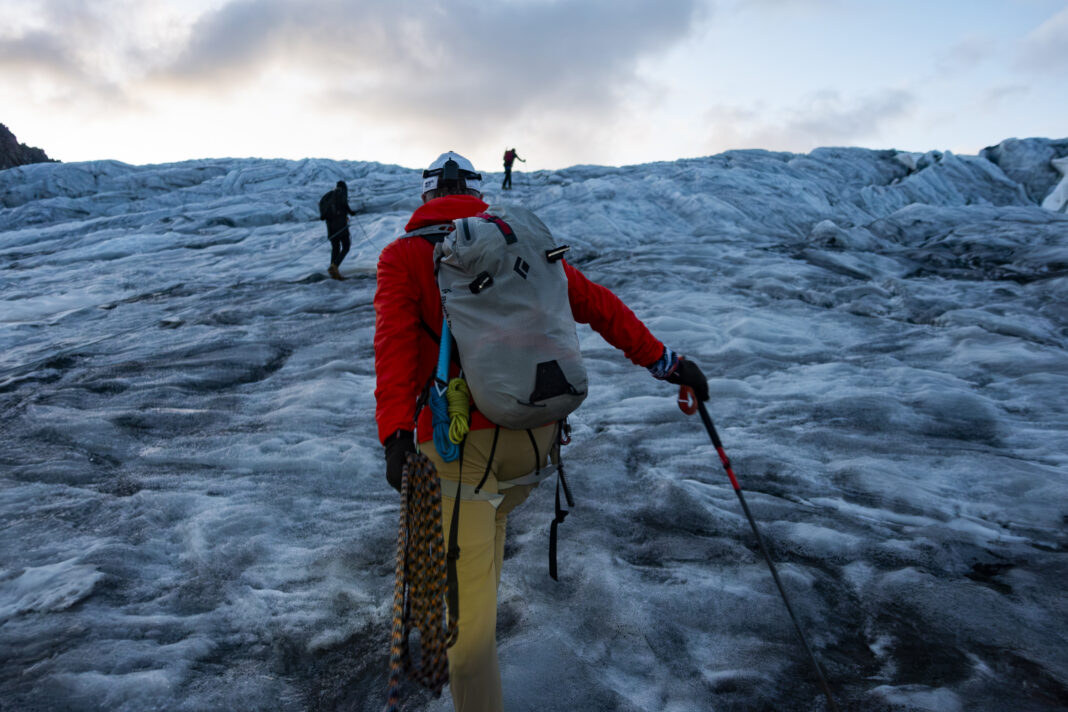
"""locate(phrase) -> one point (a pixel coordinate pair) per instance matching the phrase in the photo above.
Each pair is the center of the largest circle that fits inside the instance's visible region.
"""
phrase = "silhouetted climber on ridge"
(510, 157)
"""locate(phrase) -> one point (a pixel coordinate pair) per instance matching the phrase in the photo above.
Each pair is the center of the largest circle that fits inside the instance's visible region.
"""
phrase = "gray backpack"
(504, 292)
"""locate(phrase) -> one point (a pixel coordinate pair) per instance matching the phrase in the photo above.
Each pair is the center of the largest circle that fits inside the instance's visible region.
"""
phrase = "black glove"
(398, 446)
(687, 373)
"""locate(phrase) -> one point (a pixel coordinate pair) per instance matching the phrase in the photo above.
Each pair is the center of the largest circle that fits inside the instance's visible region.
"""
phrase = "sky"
(566, 82)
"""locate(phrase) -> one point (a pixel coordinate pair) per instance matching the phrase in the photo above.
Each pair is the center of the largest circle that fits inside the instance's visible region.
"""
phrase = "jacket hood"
(446, 209)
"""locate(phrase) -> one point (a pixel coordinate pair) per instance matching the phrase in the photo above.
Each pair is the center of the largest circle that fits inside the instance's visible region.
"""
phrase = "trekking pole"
(687, 399)
(337, 232)
(366, 237)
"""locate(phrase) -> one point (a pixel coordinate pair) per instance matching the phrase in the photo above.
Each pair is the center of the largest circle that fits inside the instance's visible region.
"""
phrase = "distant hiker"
(510, 157)
(334, 209)
(497, 467)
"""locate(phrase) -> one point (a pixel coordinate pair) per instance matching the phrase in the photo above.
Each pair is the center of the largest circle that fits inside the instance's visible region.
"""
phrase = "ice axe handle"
(687, 400)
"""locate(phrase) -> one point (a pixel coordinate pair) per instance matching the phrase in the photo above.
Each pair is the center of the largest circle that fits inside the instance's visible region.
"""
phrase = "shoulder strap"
(432, 233)
(506, 230)
(454, 354)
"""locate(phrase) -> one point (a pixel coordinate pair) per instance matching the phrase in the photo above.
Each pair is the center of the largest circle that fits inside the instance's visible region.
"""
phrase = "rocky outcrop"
(13, 153)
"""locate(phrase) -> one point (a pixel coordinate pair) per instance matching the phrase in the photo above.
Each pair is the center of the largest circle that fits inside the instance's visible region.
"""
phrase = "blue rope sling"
(448, 403)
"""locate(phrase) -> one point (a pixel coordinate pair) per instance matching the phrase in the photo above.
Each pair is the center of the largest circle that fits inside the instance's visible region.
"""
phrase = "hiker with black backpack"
(507, 444)
(334, 209)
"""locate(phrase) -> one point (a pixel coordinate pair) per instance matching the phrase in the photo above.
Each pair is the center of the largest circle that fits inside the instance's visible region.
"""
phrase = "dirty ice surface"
(193, 513)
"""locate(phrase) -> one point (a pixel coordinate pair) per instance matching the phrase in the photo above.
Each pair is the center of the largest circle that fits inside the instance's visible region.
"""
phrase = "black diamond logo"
(521, 267)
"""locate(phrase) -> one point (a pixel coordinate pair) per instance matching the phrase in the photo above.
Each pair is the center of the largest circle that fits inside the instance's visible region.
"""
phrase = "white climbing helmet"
(451, 166)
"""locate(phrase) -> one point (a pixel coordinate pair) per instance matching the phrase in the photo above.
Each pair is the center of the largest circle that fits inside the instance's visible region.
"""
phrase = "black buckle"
(557, 253)
(483, 280)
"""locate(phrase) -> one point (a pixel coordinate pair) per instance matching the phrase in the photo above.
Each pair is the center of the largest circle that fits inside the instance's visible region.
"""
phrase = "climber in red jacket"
(408, 318)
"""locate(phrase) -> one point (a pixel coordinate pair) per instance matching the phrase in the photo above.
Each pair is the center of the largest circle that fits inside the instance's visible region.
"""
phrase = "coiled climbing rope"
(419, 592)
(450, 417)
(459, 399)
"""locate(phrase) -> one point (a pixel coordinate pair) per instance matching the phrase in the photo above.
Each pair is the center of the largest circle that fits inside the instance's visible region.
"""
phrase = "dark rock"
(13, 153)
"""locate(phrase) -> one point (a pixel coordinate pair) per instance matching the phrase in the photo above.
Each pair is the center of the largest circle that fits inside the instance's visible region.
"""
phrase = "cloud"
(777, 5)
(38, 51)
(406, 61)
(966, 55)
(998, 96)
(431, 48)
(428, 73)
(1046, 48)
(829, 118)
(84, 52)
(823, 119)
(433, 69)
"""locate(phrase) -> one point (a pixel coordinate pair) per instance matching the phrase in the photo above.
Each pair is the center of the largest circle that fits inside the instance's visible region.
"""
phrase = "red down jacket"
(407, 298)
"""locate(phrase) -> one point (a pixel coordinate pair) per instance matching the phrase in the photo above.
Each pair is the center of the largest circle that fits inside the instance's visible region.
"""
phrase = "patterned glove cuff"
(666, 366)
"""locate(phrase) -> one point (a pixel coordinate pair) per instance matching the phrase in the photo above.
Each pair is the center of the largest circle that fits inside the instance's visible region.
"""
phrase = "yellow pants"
(474, 674)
